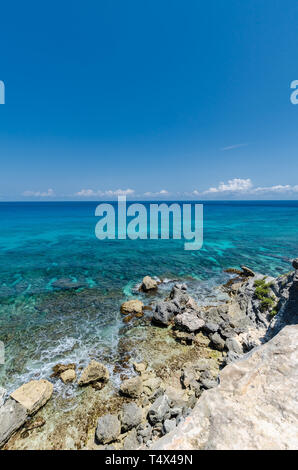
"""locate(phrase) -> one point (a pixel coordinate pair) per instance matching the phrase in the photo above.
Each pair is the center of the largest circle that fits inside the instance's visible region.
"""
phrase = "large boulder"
(254, 407)
(164, 312)
(12, 416)
(159, 410)
(94, 372)
(133, 306)
(33, 395)
(132, 387)
(189, 321)
(148, 284)
(131, 416)
(108, 429)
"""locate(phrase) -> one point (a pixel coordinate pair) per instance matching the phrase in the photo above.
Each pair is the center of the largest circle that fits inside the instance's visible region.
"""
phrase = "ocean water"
(41, 243)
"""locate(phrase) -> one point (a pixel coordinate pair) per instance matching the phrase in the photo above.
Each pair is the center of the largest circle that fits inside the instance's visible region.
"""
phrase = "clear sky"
(159, 99)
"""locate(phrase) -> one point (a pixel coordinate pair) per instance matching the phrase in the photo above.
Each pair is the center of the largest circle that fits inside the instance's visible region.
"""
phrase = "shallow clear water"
(43, 242)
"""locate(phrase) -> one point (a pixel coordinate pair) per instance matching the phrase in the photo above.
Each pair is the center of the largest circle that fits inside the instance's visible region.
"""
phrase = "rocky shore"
(197, 370)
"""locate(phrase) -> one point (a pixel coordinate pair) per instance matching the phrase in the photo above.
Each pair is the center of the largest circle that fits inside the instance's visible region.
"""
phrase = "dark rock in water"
(189, 321)
(131, 442)
(108, 429)
(169, 425)
(158, 410)
(164, 313)
(247, 271)
(12, 416)
(66, 283)
(217, 342)
(131, 416)
(295, 263)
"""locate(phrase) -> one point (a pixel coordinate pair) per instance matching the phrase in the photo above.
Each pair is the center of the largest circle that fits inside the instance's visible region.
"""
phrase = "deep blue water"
(42, 242)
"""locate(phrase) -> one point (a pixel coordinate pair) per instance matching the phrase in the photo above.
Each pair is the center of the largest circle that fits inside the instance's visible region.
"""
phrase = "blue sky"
(159, 99)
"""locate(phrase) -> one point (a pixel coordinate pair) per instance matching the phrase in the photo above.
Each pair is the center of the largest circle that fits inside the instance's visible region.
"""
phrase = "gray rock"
(176, 412)
(189, 321)
(144, 432)
(131, 416)
(217, 342)
(169, 425)
(211, 327)
(234, 345)
(158, 410)
(208, 383)
(12, 416)
(108, 429)
(132, 387)
(164, 313)
(130, 442)
(231, 357)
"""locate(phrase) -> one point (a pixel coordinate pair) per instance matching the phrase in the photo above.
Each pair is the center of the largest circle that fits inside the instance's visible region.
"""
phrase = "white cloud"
(235, 146)
(162, 192)
(109, 192)
(234, 185)
(279, 188)
(48, 193)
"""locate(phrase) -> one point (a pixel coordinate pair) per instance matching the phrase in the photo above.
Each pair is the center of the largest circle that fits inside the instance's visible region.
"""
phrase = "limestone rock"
(217, 342)
(148, 284)
(158, 410)
(189, 321)
(255, 406)
(131, 416)
(132, 306)
(2, 395)
(12, 416)
(130, 442)
(58, 369)
(164, 312)
(68, 376)
(169, 425)
(33, 395)
(132, 387)
(95, 371)
(108, 429)
(139, 367)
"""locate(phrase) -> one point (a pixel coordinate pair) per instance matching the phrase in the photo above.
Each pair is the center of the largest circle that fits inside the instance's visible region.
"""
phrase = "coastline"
(169, 354)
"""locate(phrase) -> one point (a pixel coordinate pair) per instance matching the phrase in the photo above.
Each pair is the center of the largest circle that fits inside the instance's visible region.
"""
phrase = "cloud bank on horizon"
(236, 188)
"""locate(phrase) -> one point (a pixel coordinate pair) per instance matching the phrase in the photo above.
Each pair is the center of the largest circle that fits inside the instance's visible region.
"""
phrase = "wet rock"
(12, 416)
(131, 442)
(132, 387)
(131, 416)
(94, 372)
(234, 345)
(148, 284)
(132, 306)
(68, 376)
(108, 429)
(189, 321)
(58, 369)
(247, 271)
(169, 425)
(164, 312)
(217, 342)
(33, 395)
(158, 410)
(295, 263)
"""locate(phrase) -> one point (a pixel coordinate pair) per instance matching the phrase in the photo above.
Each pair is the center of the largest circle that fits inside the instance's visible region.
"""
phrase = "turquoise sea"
(40, 243)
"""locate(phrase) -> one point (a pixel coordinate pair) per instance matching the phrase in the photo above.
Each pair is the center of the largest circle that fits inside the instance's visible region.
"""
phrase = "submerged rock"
(33, 395)
(132, 306)
(66, 283)
(108, 429)
(148, 284)
(94, 372)
(12, 416)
